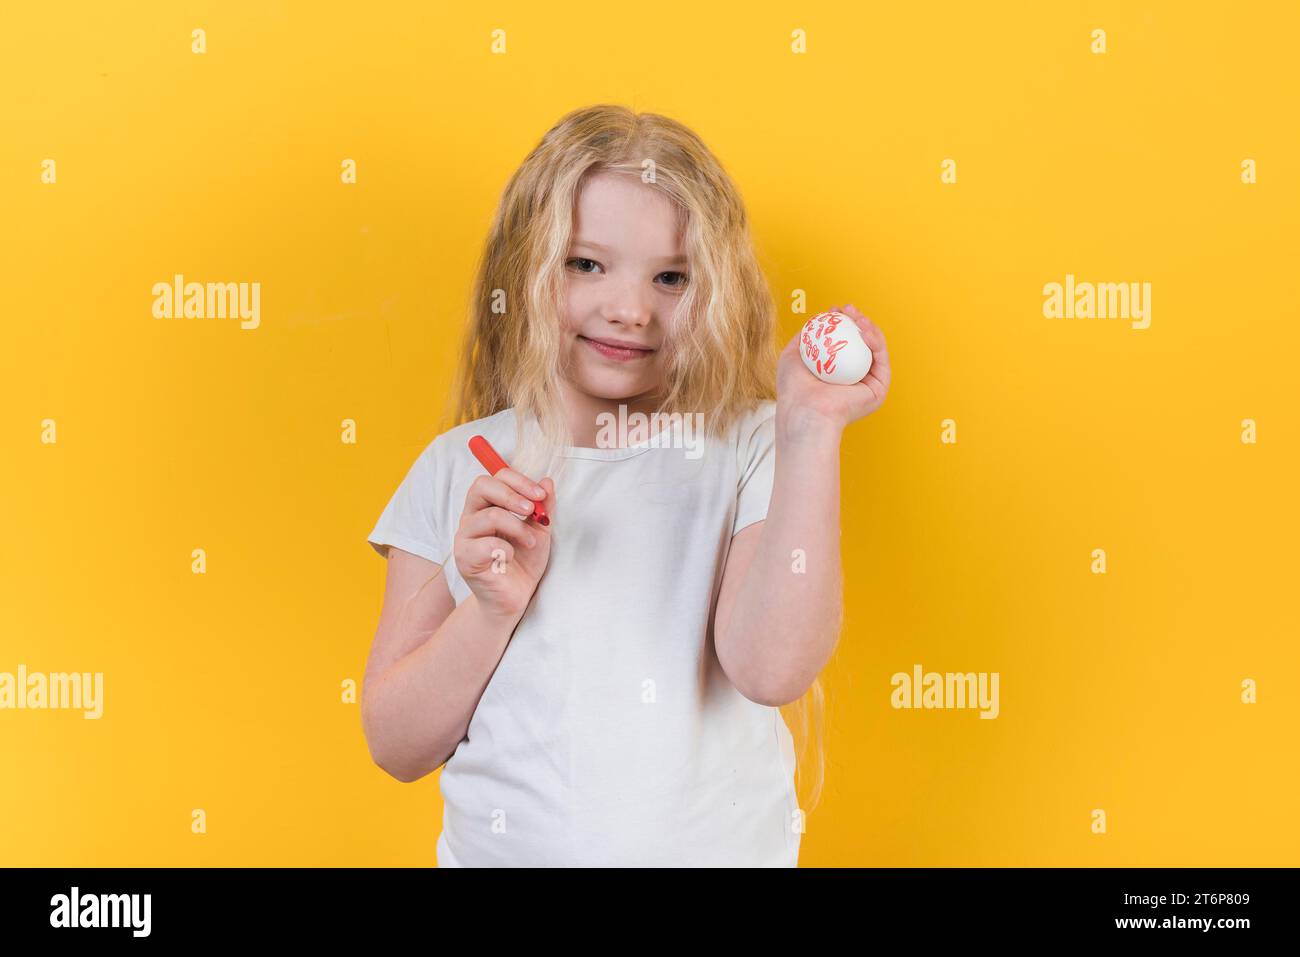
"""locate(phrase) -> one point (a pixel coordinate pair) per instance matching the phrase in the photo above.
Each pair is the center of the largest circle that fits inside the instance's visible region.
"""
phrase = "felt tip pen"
(494, 463)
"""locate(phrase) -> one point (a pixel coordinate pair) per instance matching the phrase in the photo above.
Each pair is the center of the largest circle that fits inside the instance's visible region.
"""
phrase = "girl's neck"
(582, 412)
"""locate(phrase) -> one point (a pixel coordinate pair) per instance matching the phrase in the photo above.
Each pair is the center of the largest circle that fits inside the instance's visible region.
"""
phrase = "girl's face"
(624, 277)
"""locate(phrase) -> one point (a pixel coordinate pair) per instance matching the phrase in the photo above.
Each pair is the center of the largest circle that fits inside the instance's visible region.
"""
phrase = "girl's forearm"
(418, 710)
(789, 608)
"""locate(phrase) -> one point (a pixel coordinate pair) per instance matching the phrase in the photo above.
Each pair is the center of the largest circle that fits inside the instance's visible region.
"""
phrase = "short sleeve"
(756, 458)
(411, 520)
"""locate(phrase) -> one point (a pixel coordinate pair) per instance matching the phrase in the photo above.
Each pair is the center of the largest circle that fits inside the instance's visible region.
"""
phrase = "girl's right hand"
(501, 556)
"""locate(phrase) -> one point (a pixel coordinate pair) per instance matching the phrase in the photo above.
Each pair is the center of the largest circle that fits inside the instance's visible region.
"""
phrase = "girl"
(606, 689)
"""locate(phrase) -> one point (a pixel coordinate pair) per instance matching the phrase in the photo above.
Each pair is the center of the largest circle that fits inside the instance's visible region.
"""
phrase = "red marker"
(494, 463)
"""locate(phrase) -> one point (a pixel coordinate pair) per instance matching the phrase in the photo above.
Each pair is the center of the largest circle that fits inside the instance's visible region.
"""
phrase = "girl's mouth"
(616, 352)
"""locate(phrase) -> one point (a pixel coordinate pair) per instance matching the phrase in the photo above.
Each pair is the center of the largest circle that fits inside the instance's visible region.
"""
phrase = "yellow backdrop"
(938, 165)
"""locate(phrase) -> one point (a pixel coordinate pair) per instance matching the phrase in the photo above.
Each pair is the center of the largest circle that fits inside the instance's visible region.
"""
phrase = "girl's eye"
(581, 264)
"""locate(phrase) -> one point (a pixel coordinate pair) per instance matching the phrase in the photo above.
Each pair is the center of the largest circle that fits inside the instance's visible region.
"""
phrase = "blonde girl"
(607, 690)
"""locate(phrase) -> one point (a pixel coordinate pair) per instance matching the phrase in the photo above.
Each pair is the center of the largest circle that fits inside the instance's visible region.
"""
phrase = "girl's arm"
(428, 666)
(781, 603)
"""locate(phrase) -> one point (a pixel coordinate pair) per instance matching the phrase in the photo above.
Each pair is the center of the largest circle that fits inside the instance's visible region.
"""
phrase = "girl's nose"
(628, 309)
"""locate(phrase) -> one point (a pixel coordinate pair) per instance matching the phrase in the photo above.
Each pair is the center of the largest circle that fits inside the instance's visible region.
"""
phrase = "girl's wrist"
(497, 617)
(797, 426)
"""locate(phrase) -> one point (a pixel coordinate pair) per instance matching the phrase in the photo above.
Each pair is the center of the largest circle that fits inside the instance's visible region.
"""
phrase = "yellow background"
(222, 691)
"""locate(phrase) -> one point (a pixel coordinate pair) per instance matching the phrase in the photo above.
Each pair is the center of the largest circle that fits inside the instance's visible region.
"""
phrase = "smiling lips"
(612, 351)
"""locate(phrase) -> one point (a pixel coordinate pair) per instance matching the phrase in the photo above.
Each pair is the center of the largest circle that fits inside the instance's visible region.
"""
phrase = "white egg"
(833, 350)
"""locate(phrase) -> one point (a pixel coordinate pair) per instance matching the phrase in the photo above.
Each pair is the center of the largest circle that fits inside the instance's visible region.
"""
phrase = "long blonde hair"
(722, 354)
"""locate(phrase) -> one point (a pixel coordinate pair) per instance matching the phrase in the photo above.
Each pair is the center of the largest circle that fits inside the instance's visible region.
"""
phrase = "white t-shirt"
(609, 734)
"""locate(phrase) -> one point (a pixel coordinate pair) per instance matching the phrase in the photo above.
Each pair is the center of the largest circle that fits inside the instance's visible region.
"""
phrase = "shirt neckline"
(627, 452)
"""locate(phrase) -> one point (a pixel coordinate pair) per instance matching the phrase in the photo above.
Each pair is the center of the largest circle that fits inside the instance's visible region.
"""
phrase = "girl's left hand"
(807, 400)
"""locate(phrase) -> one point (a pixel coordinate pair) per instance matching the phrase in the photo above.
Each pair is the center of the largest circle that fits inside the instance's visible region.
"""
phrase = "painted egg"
(833, 350)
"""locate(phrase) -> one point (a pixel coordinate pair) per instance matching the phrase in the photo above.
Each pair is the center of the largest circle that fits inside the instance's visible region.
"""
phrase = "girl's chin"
(612, 388)
(613, 394)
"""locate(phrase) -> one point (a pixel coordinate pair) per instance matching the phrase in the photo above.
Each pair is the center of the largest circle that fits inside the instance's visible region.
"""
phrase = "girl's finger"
(871, 335)
(488, 490)
(503, 524)
(521, 483)
(548, 484)
(481, 553)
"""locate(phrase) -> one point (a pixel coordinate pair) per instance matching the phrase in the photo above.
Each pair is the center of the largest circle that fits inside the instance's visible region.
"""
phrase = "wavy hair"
(721, 354)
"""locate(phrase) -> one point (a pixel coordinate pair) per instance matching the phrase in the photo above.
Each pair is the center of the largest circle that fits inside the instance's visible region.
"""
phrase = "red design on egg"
(832, 347)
